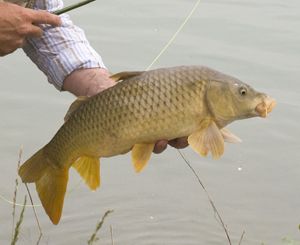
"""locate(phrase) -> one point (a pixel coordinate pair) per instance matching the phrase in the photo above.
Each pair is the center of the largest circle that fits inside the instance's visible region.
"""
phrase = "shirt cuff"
(62, 50)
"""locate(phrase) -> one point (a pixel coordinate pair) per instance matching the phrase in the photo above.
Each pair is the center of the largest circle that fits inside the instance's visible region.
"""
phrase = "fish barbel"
(143, 107)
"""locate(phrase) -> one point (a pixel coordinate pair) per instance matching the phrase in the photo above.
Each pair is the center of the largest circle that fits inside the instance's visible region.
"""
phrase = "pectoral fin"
(89, 170)
(140, 155)
(208, 138)
(230, 137)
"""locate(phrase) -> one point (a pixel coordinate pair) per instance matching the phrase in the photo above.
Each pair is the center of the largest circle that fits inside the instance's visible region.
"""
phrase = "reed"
(111, 235)
(94, 237)
(16, 192)
(18, 225)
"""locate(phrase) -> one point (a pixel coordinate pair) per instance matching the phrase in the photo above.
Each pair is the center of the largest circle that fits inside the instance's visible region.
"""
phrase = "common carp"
(143, 107)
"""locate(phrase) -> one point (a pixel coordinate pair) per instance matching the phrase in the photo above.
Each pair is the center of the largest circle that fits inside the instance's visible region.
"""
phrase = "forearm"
(87, 82)
(64, 53)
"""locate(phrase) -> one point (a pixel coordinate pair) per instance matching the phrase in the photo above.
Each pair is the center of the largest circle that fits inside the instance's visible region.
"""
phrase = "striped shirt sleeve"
(61, 50)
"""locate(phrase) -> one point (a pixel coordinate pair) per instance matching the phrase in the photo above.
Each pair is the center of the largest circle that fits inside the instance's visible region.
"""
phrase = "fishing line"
(18, 204)
(168, 44)
(208, 196)
(3, 198)
(32, 205)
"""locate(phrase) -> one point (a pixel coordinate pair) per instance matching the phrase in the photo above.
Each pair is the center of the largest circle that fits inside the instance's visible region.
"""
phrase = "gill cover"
(231, 100)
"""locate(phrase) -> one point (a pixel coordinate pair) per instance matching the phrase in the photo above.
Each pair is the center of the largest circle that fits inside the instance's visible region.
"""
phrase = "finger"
(12, 46)
(7, 51)
(160, 146)
(179, 143)
(35, 31)
(44, 17)
(18, 43)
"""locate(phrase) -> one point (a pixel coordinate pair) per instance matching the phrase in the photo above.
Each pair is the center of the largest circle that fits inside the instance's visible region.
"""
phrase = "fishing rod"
(71, 7)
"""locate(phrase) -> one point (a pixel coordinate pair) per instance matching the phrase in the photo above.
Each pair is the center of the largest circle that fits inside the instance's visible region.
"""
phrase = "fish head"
(232, 99)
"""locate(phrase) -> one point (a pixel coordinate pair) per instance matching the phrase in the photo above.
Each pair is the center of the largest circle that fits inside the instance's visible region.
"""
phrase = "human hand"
(178, 143)
(17, 23)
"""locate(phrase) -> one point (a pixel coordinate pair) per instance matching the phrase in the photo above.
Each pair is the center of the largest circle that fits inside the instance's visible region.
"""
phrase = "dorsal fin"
(125, 75)
(75, 105)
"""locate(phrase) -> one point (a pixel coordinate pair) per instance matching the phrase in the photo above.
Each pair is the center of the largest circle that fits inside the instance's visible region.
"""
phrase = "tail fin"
(50, 181)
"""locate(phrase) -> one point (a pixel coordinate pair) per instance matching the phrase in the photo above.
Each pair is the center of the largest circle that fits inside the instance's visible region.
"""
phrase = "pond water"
(255, 185)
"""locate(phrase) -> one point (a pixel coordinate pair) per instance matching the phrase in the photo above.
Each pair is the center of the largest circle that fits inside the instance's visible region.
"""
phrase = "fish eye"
(243, 91)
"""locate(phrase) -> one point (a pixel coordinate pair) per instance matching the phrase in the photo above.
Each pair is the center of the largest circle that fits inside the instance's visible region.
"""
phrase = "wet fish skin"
(144, 107)
(153, 105)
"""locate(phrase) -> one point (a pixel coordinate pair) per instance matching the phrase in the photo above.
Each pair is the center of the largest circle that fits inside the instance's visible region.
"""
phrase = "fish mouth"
(265, 107)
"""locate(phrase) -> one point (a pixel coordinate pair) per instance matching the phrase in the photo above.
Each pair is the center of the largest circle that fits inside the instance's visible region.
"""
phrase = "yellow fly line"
(18, 204)
(3, 198)
(162, 51)
(168, 44)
